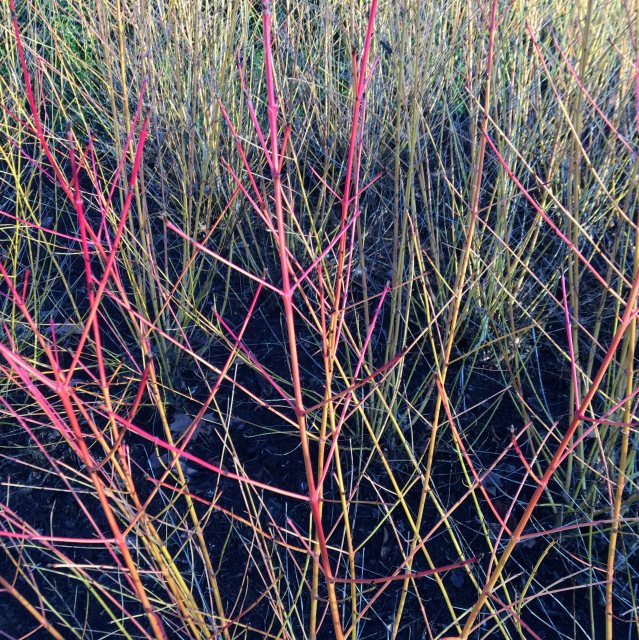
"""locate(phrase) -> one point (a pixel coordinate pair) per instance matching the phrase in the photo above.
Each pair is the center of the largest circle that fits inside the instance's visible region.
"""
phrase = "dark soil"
(273, 457)
(269, 452)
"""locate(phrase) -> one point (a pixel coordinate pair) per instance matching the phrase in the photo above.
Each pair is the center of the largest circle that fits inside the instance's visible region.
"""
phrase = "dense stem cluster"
(318, 320)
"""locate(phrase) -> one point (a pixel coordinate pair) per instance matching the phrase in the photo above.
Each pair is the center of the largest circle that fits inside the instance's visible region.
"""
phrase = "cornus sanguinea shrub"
(318, 320)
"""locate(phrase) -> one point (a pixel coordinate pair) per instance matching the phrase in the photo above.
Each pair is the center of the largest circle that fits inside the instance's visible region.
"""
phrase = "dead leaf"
(181, 423)
(492, 483)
